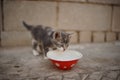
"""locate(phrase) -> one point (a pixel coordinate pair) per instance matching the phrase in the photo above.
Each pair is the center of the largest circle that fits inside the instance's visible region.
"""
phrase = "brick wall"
(0, 22)
(90, 20)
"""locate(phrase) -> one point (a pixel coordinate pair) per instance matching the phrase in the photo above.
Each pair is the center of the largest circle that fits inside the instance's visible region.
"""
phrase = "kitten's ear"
(57, 35)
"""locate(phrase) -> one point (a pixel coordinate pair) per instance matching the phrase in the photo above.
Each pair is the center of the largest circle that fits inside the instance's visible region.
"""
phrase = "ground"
(101, 61)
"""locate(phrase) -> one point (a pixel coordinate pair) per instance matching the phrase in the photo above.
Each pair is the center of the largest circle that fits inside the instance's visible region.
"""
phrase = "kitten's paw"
(35, 53)
(45, 57)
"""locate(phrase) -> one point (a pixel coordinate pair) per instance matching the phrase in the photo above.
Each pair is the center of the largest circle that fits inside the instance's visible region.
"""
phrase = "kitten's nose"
(63, 49)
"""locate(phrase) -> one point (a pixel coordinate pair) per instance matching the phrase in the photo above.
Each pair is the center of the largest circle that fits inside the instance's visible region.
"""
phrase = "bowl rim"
(64, 60)
(80, 56)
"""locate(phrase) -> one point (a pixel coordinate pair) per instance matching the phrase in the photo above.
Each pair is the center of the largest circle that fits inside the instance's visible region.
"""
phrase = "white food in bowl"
(67, 55)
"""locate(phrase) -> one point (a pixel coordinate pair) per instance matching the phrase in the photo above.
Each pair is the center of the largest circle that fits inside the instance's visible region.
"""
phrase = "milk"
(64, 55)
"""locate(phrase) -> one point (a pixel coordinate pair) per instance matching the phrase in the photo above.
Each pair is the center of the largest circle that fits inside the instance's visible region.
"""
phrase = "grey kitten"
(46, 38)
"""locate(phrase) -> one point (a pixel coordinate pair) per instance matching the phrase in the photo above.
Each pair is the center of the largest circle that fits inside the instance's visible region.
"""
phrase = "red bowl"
(64, 65)
(64, 60)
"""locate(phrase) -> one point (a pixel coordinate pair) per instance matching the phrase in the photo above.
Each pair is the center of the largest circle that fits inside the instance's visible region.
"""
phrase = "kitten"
(46, 38)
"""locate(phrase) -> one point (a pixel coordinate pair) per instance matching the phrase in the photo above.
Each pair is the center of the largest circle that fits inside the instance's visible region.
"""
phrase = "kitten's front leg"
(35, 52)
(43, 50)
(45, 53)
(35, 45)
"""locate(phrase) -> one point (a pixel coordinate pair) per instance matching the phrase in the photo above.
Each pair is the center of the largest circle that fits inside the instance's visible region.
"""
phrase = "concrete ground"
(99, 62)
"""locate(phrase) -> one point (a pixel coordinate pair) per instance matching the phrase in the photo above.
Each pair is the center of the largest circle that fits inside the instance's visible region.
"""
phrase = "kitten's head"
(61, 39)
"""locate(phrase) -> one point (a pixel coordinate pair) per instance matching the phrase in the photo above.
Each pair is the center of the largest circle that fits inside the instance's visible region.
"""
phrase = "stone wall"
(90, 20)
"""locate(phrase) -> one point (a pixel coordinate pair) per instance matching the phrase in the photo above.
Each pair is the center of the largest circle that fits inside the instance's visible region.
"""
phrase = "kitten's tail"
(29, 27)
